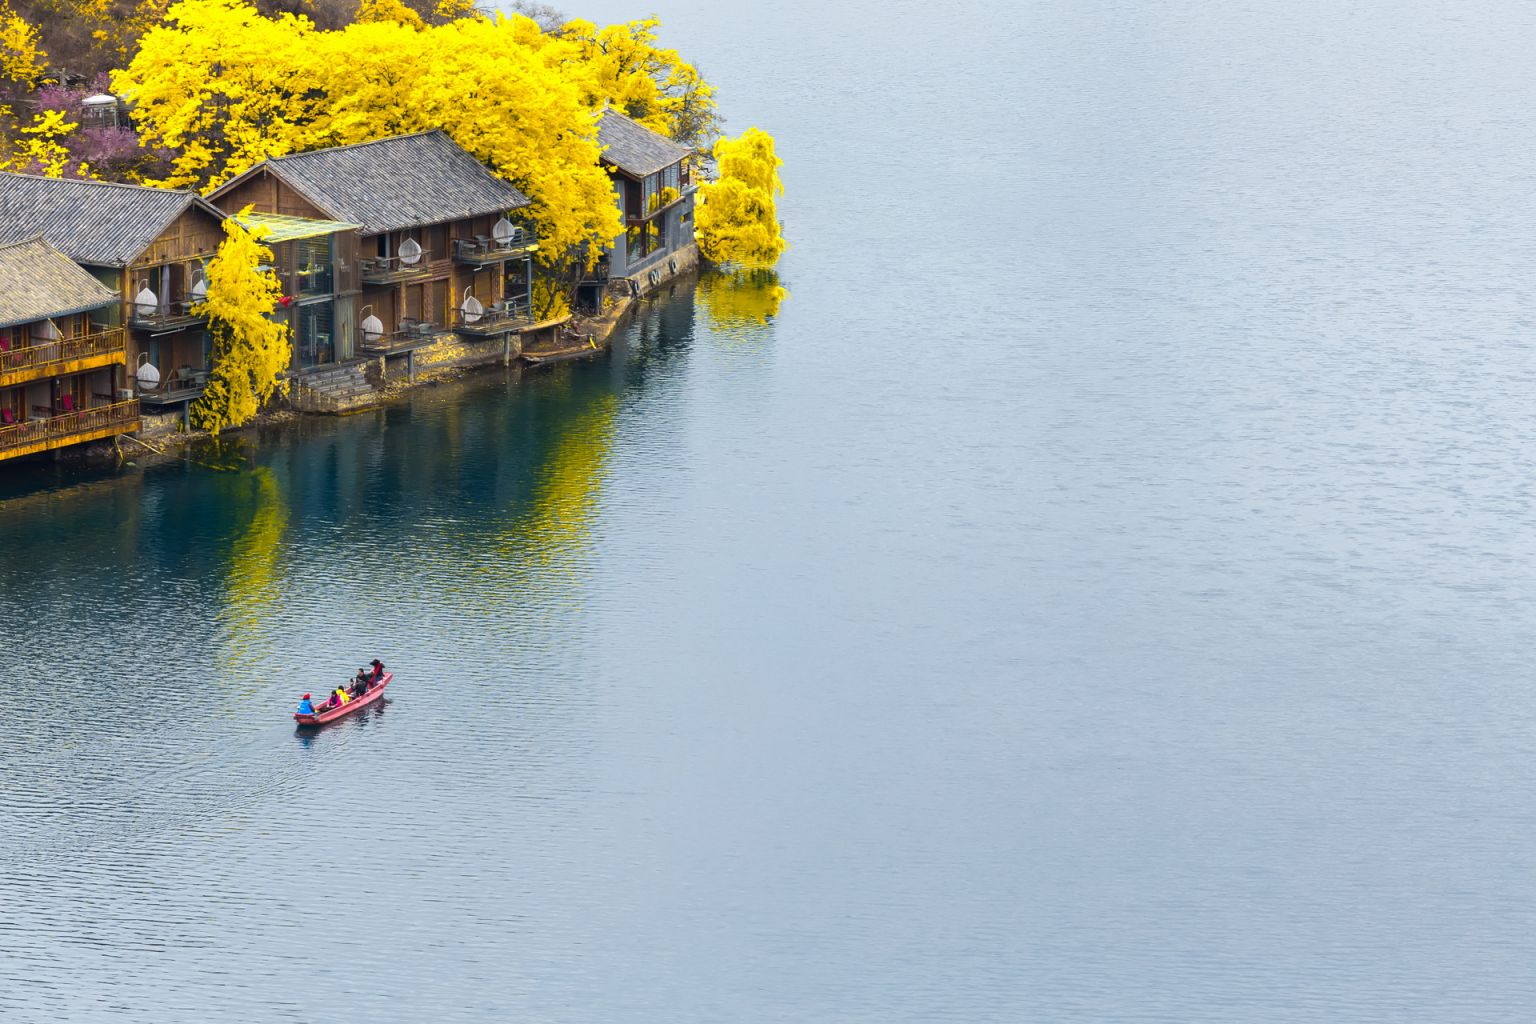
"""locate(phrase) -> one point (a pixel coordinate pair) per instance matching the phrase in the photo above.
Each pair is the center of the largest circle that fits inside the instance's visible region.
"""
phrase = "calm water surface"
(1104, 592)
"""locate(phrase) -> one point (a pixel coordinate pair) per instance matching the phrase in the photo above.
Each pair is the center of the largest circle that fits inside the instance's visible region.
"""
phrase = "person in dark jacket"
(378, 671)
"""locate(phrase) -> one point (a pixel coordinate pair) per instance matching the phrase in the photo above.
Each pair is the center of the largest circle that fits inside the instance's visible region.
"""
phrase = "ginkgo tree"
(737, 220)
(250, 349)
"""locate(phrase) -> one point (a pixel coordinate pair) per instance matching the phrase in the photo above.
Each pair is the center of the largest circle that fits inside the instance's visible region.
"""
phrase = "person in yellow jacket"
(342, 695)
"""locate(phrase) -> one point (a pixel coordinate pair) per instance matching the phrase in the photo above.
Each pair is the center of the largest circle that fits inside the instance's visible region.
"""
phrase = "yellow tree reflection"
(251, 591)
(739, 304)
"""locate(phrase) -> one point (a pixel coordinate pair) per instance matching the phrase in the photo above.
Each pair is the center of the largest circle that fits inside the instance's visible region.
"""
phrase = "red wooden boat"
(323, 715)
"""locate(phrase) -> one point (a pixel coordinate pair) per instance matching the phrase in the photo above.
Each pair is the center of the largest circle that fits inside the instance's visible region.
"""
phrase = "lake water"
(1104, 592)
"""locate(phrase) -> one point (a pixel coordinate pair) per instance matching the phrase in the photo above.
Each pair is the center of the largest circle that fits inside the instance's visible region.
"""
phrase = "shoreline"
(453, 361)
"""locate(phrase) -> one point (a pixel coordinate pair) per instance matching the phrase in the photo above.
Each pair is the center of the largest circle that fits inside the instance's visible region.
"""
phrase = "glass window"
(315, 336)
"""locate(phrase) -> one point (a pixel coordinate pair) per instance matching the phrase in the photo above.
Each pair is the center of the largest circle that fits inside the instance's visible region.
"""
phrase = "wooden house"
(59, 357)
(435, 252)
(654, 188)
(150, 247)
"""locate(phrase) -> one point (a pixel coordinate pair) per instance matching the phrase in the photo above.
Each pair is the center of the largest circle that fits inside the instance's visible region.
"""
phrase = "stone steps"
(335, 389)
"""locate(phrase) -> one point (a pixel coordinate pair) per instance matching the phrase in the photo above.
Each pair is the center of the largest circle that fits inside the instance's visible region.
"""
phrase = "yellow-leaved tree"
(737, 220)
(41, 149)
(22, 59)
(250, 350)
(622, 66)
(224, 87)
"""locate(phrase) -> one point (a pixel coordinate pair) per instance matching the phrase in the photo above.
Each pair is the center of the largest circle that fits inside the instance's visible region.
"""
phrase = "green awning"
(282, 228)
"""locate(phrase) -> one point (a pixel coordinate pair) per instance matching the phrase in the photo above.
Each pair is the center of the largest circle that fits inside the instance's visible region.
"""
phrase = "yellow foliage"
(622, 66)
(250, 349)
(737, 219)
(41, 152)
(550, 301)
(224, 87)
(453, 10)
(388, 10)
(22, 59)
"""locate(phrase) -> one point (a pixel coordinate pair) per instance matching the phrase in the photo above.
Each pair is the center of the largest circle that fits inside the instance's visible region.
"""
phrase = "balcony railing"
(412, 334)
(169, 316)
(45, 432)
(498, 318)
(388, 269)
(45, 358)
(482, 249)
(181, 385)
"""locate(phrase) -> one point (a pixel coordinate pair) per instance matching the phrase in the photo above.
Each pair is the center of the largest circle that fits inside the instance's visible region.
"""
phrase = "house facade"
(150, 247)
(654, 188)
(60, 358)
(433, 250)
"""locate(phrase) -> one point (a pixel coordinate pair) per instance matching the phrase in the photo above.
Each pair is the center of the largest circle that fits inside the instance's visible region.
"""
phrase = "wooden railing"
(64, 426)
(411, 334)
(44, 354)
(384, 269)
(498, 317)
(484, 249)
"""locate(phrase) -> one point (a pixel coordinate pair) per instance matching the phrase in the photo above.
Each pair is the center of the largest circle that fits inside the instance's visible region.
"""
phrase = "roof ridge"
(93, 182)
(39, 237)
(354, 145)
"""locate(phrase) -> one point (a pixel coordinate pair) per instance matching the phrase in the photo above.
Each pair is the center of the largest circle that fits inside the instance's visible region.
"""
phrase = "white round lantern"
(472, 308)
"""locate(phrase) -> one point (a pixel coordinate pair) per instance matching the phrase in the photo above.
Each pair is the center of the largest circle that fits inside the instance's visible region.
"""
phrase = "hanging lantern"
(471, 307)
(410, 252)
(148, 376)
(372, 326)
(146, 302)
(503, 232)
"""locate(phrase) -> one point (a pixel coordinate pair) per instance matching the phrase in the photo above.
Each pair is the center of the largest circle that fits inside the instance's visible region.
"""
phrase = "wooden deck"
(47, 433)
(62, 356)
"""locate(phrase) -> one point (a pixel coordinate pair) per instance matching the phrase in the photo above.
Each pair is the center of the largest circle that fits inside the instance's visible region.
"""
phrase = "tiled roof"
(96, 222)
(40, 282)
(634, 148)
(401, 182)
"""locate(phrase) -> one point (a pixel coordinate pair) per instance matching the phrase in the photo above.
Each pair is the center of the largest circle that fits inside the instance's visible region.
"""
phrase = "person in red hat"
(305, 707)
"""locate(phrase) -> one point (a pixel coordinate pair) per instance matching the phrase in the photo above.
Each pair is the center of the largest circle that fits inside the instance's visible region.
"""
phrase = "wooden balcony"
(481, 250)
(181, 386)
(48, 432)
(173, 316)
(411, 335)
(499, 318)
(42, 359)
(389, 269)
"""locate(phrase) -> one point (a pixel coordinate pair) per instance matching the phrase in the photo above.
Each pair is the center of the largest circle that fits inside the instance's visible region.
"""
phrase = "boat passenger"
(305, 707)
(378, 671)
(341, 691)
(335, 701)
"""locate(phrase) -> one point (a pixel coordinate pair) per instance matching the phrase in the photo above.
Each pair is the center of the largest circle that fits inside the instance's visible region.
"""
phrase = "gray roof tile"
(634, 148)
(401, 182)
(96, 222)
(40, 282)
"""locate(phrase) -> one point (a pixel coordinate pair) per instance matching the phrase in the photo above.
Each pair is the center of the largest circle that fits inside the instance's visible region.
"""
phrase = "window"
(312, 258)
(315, 337)
(669, 176)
